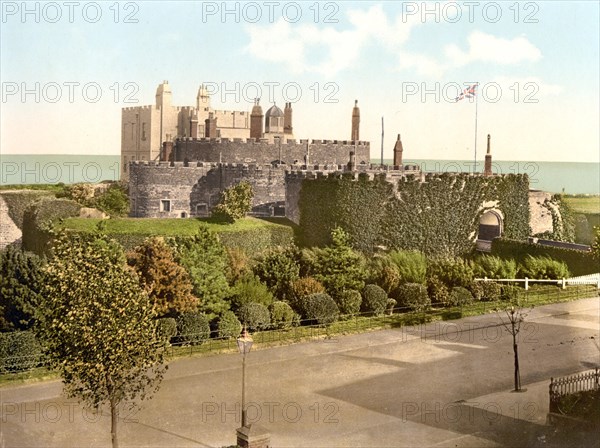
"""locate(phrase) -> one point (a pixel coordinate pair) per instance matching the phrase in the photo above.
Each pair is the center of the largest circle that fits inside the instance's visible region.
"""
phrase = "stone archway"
(490, 226)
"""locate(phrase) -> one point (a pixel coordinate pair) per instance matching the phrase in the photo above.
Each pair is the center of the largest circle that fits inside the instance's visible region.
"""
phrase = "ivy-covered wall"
(439, 216)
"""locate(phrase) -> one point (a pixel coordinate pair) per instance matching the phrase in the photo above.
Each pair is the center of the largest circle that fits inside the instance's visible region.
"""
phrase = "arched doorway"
(490, 226)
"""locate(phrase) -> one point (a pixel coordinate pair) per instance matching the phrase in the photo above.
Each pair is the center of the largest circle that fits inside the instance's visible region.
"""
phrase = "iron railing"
(561, 387)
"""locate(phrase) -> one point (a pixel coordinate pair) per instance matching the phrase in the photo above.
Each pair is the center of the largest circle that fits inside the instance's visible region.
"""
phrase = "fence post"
(563, 283)
(526, 284)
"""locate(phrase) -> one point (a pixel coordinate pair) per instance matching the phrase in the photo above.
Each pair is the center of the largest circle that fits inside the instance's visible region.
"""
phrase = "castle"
(180, 159)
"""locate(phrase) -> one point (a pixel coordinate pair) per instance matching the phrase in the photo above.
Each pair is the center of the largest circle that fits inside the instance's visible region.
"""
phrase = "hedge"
(19, 350)
(18, 201)
(578, 262)
(437, 217)
(38, 218)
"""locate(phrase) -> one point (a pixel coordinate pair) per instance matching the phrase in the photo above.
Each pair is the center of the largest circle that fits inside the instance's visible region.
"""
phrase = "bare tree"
(515, 316)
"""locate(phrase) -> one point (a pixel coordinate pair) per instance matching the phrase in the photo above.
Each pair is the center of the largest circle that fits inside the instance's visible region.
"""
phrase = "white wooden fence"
(592, 279)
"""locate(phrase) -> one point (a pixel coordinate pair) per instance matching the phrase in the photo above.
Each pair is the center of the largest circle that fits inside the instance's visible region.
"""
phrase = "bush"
(303, 287)
(543, 268)
(237, 264)
(349, 301)
(228, 325)
(413, 296)
(374, 300)
(282, 315)
(250, 289)
(438, 291)
(320, 308)
(490, 291)
(452, 272)
(278, 268)
(114, 201)
(19, 350)
(512, 293)
(491, 266)
(166, 328)
(383, 272)
(254, 316)
(391, 304)
(460, 296)
(236, 202)
(192, 328)
(412, 266)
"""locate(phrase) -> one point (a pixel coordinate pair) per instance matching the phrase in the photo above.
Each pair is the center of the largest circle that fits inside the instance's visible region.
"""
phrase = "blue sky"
(537, 64)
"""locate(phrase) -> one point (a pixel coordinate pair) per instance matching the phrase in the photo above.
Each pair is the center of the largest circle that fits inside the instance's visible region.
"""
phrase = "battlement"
(252, 141)
(136, 108)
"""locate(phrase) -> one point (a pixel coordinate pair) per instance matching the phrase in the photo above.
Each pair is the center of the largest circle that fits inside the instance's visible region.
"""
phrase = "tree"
(338, 267)
(97, 325)
(278, 269)
(114, 200)
(167, 283)
(515, 316)
(21, 278)
(205, 260)
(236, 202)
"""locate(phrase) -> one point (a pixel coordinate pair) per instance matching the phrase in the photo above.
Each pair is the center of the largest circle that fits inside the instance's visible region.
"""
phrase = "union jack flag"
(469, 92)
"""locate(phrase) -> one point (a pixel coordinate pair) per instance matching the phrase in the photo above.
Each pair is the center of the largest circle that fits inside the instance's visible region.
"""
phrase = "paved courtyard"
(441, 384)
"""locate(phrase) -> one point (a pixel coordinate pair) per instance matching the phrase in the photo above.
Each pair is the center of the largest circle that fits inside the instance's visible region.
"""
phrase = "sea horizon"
(551, 176)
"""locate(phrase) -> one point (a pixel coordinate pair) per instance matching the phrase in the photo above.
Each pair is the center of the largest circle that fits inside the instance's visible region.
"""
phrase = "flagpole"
(476, 97)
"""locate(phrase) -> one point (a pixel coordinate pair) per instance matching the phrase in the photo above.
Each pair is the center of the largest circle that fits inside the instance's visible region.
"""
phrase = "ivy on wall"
(438, 217)
(563, 220)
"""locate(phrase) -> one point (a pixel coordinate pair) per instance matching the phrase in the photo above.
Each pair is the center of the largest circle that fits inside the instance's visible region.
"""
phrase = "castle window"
(202, 209)
(143, 131)
(165, 205)
(124, 164)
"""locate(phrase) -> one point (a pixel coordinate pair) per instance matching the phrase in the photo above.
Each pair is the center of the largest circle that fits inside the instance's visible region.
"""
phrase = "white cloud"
(487, 48)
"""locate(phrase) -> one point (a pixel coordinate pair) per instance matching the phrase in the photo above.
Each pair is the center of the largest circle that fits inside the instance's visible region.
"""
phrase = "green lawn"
(583, 204)
(168, 226)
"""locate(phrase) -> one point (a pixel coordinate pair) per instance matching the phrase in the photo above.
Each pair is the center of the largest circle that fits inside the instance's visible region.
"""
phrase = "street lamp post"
(244, 343)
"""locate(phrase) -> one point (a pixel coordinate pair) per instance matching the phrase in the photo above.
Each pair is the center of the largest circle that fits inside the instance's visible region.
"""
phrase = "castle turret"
(355, 122)
(487, 170)
(287, 119)
(194, 125)
(210, 126)
(203, 98)
(274, 120)
(256, 120)
(398, 152)
(163, 95)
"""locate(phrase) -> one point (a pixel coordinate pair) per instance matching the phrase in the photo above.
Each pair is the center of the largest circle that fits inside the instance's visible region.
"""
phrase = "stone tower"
(287, 119)
(274, 120)
(355, 121)
(487, 170)
(194, 124)
(256, 120)
(163, 95)
(210, 126)
(202, 99)
(398, 152)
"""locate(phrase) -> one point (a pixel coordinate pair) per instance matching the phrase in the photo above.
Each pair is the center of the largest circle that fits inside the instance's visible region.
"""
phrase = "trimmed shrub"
(512, 293)
(412, 265)
(543, 268)
(192, 328)
(349, 301)
(114, 201)
(166, 328)
(438, 291)
(254, 316)
(303, 287)
(490, 291)
(282, 315)
(19, 350)
(250, 289)
(413, 296)
(391, 304)
(236, 202)
(374, 299)
(228, 325)
(460, 296)
(320, 308)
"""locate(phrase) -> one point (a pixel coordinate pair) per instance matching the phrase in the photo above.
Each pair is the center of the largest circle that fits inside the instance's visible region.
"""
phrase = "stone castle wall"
(193, 190)
(320, 152)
